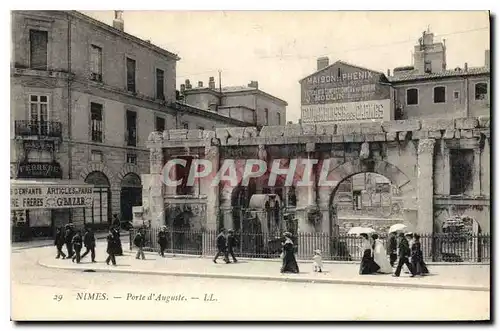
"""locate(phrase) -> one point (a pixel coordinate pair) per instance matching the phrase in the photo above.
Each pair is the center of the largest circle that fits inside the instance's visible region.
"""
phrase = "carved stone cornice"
(426, 146)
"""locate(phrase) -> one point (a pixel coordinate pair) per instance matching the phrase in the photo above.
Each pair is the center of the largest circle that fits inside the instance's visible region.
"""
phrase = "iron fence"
(436, 247)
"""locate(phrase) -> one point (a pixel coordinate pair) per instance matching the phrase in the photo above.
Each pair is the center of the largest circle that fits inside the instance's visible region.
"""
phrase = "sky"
(278, 48)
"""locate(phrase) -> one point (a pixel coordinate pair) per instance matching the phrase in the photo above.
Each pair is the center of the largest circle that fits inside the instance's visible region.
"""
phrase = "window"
(96, 122)
(201, 127)
(96, 63)
(96, 156)
(481, 90)
(356, 200)
(412, 96)
(461, 161)
(131, 133)
(279, 118)
(36, 155)
(456, 95)
(130, 75)
(266, 114)
(339, 72)
(185, 125)
(428, 67)
(39, 114)
(439, 94)
(38, 49)
(160, 124)
(132, 158)
(159, 84)
(182, 173)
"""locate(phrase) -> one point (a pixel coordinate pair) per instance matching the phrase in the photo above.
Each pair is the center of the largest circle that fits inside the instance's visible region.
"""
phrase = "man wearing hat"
(162, 240)
(221, 246)
(231, 242)
(404, 254)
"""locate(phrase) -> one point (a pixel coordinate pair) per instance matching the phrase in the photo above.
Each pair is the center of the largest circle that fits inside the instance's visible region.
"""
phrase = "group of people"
(405, 248)
(75, 240)
(225, 243)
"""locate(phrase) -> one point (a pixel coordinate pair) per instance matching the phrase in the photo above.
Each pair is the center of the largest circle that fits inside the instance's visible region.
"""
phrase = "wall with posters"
(345, 93)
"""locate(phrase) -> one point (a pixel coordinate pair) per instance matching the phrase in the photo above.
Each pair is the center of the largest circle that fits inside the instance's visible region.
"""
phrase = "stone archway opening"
(130, 195)
(99, 215)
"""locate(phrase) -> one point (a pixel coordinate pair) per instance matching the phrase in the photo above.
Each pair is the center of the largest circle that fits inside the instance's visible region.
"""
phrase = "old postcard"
(250, 165)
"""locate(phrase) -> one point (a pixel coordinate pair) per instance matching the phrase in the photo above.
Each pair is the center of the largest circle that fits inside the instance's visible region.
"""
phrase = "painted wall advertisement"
(50, 196)
(343, 93)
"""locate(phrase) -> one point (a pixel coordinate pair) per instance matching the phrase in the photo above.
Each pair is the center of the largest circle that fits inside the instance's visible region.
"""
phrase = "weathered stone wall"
(411, 153)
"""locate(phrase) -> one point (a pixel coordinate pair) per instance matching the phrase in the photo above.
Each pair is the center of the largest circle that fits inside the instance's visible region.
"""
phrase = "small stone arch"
(127, 169)
(92, 167)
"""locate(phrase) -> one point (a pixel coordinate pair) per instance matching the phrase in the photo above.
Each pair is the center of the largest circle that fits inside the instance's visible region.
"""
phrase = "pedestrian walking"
(317, 261)
(89, 243)
(417, 257)
(59, 243)
(289, 264)
(139, 242)
(77, 246)
(221, 243)
(404, 253)
(231, 242)
(392, 249)
(119, 248)
(111, 248)
(68, 237)
(116, 221)
(162, 240)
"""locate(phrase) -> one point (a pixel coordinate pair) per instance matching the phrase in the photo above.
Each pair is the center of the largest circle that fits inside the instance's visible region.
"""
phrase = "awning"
(49, 194)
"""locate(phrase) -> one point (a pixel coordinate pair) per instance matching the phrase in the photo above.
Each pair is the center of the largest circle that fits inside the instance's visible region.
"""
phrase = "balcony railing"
(47, 129)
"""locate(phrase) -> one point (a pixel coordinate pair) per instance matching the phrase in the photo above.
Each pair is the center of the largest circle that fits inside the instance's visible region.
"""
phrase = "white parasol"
(397, 228)
(357, 230)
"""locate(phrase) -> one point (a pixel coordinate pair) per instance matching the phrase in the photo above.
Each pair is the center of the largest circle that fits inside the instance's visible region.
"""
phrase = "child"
(317, 261)
(139, 242)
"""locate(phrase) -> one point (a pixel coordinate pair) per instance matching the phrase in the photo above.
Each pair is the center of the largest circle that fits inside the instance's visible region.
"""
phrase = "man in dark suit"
(404, 254)
(392, 249)
(221, 243)
(89, 243)
(231, 242)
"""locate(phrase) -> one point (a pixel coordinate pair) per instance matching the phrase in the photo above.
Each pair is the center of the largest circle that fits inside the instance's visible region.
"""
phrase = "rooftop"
(413, 75)
(232, 89)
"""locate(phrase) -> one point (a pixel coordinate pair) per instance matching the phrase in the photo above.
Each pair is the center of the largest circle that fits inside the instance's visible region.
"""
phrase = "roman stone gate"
(420, 158)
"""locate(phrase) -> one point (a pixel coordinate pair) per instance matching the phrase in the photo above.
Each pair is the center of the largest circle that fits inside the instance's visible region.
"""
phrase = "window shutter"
(38, 49)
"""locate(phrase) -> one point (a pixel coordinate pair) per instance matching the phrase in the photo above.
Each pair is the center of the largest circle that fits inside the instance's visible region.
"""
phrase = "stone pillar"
(225, 207)
(425, 186)
(476, 173)
(442, 170)
(485, 168)
(211, 191)
(156, 204)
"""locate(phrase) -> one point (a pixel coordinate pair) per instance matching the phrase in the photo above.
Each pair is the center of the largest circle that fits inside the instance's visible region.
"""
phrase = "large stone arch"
(99, 167)
(348, 169)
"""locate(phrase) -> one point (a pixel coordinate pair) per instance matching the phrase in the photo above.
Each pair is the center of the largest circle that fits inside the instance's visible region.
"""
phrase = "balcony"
(38, 130)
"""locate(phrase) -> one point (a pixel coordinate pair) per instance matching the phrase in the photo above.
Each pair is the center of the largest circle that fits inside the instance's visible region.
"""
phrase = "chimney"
(200, 83)
(487, 58)
(211, 83)
(322, 62)
(118, 21)
(388, 72)
(188, 84)
(466, 67)
(254, 84)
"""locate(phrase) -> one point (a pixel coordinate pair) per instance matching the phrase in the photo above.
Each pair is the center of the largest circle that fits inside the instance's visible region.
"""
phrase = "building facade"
(85, 96)
(244, 103)
(342, 93)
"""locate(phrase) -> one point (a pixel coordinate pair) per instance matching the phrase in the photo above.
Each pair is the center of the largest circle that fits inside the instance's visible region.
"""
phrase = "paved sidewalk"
(464, 277)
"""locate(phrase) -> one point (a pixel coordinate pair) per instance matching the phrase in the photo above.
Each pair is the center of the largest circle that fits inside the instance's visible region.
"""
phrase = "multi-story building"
(85, 96)
(245, 103)
(344, 93)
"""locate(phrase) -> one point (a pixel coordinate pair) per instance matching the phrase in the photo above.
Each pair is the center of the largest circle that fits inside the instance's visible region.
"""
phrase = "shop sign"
(350, 112)
(50, 197)
(39, 170)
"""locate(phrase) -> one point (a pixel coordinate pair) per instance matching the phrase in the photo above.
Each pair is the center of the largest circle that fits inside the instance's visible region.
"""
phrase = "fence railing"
(436, 247)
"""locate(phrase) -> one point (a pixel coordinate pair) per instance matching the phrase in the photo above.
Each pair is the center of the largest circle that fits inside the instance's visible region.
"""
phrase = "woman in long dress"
(368, 265)
(417, 257)
(289, 262)
(379, 255)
